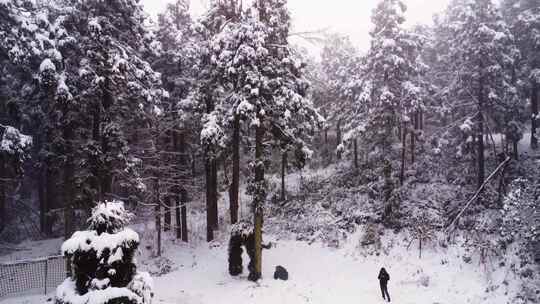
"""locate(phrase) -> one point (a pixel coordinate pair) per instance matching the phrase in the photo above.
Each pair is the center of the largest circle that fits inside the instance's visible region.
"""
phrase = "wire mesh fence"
(32, 276)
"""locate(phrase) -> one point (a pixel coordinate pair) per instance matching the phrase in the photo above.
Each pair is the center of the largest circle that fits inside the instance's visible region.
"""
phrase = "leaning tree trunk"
(258, 200)
(234, 190)
(535, 118)
(283, 171)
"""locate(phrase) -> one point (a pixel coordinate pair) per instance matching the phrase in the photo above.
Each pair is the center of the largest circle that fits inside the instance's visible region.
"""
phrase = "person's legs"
(386, 291)
(382, 291)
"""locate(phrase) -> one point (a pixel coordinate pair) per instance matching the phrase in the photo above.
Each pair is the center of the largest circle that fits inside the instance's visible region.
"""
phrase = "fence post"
(46, 270)
(68, 266)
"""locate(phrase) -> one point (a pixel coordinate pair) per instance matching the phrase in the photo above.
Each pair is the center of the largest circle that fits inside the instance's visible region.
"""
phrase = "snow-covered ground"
(319, 274)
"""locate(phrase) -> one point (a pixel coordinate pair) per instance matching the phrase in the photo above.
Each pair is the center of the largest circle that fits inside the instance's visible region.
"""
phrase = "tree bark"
(214, 188)
(338, 138)
(3, 216)
(68, 182)
(535, 118)
(183, 209)
(157, 211)
(96, 137)
(480, 135)
(42, 196)
(183, 191)
(283, 171)
(50, 183)
(234, 190)
(177, 217)
(258, 200)
(403, 154)
(413, 137)
(355, 153)
(167, 214)
(209, 200)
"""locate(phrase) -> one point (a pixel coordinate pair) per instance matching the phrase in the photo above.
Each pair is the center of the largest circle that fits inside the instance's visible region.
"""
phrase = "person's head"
(383, 270)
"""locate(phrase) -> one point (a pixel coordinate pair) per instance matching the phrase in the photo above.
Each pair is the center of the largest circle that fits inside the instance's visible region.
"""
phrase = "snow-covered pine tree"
(342, 67)
(14, 149)
(180, 121)
(391, 93)
(481, 58)
(34, 51)
(523, 18)
(207, 98)
(118, 87)
(277, 104)
(103, 265)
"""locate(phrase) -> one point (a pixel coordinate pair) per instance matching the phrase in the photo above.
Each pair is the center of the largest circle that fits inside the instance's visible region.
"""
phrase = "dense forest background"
(434, 128)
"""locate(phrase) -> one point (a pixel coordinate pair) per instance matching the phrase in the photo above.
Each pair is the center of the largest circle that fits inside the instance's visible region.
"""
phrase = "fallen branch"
(477, 193)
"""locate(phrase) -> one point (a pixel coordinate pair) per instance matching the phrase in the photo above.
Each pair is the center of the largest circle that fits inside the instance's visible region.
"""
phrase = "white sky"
(350, 17)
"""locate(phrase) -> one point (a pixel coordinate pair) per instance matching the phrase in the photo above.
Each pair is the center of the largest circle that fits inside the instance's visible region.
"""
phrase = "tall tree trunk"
(535, 118)
(68, 190)
(96, 137)
(480, 135)
(413, 137)
(167, 214)
(157, 211)
(234, 190)
(177, 216)
(214, 188)
(283, 171)
(209, 199)
(326, 137)
(42, 196)
(183, 191)
(403, 154)
(515, 150)
(338, 138)
(355, 153)
(183, 209)
(258, 201)
(3, 217)
(50, 184)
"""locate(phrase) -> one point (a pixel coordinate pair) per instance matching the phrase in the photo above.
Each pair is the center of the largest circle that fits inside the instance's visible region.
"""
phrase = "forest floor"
(196, 273)
(319, 274)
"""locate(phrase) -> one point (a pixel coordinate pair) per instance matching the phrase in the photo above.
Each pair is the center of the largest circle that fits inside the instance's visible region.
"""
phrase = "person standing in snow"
(384, 277)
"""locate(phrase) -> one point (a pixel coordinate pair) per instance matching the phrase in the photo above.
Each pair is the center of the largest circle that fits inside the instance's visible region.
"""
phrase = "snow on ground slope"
(320, 274)
(32, 249)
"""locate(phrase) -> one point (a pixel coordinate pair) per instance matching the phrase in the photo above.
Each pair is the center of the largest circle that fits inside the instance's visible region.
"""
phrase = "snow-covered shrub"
(103, 266)
(241, 236)
(521, 216)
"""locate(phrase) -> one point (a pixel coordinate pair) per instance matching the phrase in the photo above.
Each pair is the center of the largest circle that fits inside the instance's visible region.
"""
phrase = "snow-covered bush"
(103, 266)
(521, 215)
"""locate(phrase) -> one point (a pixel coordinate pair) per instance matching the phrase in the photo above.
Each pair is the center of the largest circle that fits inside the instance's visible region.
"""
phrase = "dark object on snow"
(281, 273)
(384, 277)
(267, 246)
(242, 235)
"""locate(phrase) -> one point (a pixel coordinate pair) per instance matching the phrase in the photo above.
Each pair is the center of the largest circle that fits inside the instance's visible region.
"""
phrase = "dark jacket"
(384, 277)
